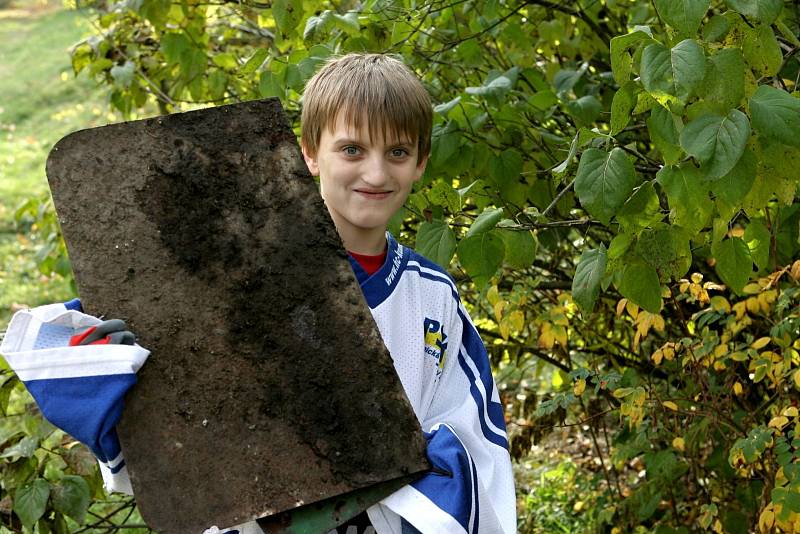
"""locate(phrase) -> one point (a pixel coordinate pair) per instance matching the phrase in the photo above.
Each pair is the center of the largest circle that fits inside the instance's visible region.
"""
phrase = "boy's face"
(363, 181)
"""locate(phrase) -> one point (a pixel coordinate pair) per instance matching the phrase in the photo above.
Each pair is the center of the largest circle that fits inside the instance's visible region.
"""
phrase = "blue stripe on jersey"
(490, 435)
(88, 408)
(380, 285)
(117, 468)
(471, 341)
(475, 351)
(451, 494)
(475, 522)
(74, 304)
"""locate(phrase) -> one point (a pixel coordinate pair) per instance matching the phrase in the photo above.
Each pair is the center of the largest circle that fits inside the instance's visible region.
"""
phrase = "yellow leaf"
(493, 295)
(719, 365)
(577, 507)
(657, 355)
(766, 520)
(696, 278)
(791, 411)
(633, 309)
(720, 304)
(546, 337)
(560, 334)
(795, 272)
(736, 232)
(737, 388)
(679, 444)
(778, 422)
(498, 310)
(504, 330)
(517, 320)
(671, 405)
(579, 387)
(752, 305)
(683, 287)
(740, 308)
(720, 351)
(796, 378)
(760, 343)
(718, 527)
(751, 289)
(621, 306)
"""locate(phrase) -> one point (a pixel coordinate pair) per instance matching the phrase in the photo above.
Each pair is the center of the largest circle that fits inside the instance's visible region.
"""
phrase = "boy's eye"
(399, 152)
(350, 150)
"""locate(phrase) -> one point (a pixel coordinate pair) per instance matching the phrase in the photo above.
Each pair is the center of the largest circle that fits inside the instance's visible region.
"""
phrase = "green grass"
(42, 101)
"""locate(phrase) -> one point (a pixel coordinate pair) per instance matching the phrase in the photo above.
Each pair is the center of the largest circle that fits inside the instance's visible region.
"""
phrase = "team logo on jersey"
(435, 342)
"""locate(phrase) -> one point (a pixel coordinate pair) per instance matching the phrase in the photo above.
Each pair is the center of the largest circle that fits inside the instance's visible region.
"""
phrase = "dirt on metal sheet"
(268, 386)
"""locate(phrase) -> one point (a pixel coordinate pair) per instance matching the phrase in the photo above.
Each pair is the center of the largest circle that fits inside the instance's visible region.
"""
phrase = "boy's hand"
(110, 332)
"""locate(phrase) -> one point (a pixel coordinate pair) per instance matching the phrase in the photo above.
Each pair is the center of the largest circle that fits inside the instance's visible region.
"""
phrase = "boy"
(366, 128)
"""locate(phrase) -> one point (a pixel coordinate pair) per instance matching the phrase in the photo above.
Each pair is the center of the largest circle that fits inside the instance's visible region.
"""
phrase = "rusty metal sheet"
(268, 386)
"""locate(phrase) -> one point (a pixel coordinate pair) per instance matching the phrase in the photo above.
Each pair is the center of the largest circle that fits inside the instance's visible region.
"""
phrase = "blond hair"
(373, 87)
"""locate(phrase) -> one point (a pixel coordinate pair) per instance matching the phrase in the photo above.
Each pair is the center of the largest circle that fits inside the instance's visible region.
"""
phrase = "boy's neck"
(369, 242)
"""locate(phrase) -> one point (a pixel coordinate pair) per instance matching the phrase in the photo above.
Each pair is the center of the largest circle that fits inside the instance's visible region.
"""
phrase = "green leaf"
(485, 222)
(123, 74)
(585, 110)
(217, 83)
(255, 61)
(622, 105)
(481, 255)
(193, 64)
(436, 241)
(675, 72)
(581, 138)
(287, 14)
(664, 129)
(520, 247)
(588, 275)
(506, 167)
(445, 107)
(734, 264)
(443, 194)
(621, 60)
(717, 142)
(776, 114)
(24, 448)
(269, 85)
(764, 11)
(604, 182)
(716, 28)
(761, 50)
(758, 239)
(666, 249)
(30, 501)
(640, 284)
(641, 210)
(687, 195)
(737, 183)
(173, 45)
(683, 15)
(71, 497)
(723, 86)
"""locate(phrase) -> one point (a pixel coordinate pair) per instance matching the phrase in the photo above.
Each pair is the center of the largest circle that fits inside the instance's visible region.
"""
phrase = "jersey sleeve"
(471, 489)
(79, 389)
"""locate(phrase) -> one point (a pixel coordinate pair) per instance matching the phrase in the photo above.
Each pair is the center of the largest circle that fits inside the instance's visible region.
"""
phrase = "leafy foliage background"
(613, 184)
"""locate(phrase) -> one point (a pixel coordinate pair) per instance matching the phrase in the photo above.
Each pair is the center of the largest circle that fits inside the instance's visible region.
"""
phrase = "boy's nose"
(376, 173)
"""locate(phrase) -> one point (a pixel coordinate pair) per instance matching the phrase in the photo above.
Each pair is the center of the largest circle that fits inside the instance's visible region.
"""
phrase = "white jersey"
(444, 369)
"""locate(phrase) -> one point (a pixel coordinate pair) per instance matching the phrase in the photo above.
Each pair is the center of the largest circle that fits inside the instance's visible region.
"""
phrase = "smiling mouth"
(377, 195)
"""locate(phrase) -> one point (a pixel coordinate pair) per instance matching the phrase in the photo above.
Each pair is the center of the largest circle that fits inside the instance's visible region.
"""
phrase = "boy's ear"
(311, 160)
(421, 167)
